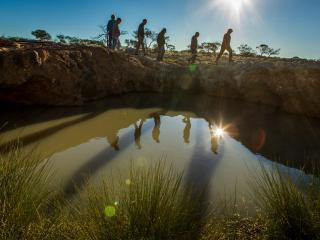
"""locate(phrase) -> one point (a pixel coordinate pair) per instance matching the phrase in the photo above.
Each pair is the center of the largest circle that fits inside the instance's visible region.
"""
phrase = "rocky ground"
(52, 74)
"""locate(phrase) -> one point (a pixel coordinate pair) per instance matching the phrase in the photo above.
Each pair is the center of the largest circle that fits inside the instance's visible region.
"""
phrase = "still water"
(217, 143)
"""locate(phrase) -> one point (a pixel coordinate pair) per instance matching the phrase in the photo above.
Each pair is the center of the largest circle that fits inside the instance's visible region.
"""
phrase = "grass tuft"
(290, 208)
(155, 205)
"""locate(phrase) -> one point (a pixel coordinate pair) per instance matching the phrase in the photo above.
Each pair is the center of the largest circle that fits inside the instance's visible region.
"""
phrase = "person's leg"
(143, 47)
(114, 43)
(220, 53)
(138, 46)
(118, 43)
(159, 54)
(193, 57)
(109, 39)
(163, 50)
(230, 54)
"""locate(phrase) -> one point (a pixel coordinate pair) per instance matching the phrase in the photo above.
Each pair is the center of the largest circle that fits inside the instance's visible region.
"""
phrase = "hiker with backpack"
(141, 34)
(161, 41)
(194, 47)
(226, 46)
(116, 34)
(110, 27)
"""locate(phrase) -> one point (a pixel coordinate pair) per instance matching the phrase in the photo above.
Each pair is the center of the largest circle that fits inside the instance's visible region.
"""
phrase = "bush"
(266, 50)
(41, 35)
(246, 51)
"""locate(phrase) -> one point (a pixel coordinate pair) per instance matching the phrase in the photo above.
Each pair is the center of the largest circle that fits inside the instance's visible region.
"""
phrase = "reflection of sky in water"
(206, 159)
(103, 141)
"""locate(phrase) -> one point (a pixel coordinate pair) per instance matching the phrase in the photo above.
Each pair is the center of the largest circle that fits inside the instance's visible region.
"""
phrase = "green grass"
(290, 209)
(24, 194)
(154, 203)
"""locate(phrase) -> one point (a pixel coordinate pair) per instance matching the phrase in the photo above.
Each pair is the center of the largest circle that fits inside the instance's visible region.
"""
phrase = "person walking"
(116, 34)
(194, 47)
(186, 130)
(161, 41)
(141, 34)
(226, 46)
(110, 26)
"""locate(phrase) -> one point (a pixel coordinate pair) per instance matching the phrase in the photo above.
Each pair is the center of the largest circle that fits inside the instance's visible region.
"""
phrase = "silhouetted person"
(141, 37)
(226, 45)
(137, 134)
(214, 140)
(116, 34)
(110, 25)
(156, 129)
(114, 141)
(194, 47)
(186, 131)
(161, 40)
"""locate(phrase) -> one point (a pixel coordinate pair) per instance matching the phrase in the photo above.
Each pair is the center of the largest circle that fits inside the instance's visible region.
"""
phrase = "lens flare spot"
(110, 211)
(218, 132)
(193, 68)
(128, 182)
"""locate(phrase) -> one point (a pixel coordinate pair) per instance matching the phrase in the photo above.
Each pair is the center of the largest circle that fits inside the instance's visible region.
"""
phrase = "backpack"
(110, 25)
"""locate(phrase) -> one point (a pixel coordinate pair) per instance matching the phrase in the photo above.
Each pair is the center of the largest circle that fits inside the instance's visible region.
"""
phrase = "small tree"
(171, 47)
(41, 35)
(61, 38)
(246, 51)
(131, 43)
(264, 49)
(210, 47)
(151, 36)
(273, 52)
(72, 40)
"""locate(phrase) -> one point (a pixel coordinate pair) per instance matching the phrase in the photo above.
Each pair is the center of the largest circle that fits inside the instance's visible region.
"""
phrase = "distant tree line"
(262, 50)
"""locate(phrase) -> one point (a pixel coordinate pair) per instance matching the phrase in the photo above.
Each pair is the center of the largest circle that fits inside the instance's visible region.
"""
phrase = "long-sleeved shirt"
(194, 44)
(226, 40)
(141, 30)
(161, 40)
(116, 30)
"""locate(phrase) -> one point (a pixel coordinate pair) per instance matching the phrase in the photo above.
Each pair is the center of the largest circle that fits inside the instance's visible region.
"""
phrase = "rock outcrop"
(74, 75)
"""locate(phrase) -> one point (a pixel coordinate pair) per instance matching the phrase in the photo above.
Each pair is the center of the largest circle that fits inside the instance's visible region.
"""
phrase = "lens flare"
(128, 182)
(110, 211)
(235, 10)
(218, 132)
(193, 68)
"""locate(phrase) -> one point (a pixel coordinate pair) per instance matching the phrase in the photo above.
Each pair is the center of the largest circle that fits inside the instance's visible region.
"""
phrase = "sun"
(234, 9)
(235, 5)
(218, 132)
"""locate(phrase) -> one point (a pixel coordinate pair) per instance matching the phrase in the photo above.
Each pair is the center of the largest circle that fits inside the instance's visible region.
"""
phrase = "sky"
(292, 25)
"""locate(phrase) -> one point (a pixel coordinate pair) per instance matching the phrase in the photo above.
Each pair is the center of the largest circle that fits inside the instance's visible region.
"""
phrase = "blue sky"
(292, 25)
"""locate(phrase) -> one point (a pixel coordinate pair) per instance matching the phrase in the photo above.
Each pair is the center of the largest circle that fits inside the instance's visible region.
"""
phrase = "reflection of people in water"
(156, 129)
(113, 140)
(214, 140)
(187, 128)
(137, 133)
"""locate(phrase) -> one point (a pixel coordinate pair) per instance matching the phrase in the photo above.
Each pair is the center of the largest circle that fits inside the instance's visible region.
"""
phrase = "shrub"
(41, 35)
